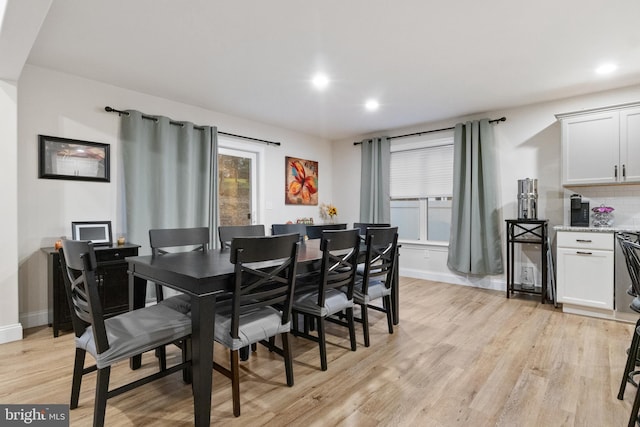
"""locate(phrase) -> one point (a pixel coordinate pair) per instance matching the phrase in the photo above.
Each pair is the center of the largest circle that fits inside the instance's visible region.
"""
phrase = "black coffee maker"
(579, 211)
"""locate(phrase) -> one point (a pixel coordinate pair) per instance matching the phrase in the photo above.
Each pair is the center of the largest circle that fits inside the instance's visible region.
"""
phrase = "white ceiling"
(423, 60)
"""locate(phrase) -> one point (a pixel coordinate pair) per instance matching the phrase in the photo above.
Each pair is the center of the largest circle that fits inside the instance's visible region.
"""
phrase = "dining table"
(204, 275)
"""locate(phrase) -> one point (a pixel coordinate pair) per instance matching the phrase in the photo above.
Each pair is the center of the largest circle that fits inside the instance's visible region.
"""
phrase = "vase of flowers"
(328, 212)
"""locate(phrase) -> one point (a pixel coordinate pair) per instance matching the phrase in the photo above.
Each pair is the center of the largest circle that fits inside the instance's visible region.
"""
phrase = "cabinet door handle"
(624, 172)
(615, 171)
(583, 240)
(584, 253)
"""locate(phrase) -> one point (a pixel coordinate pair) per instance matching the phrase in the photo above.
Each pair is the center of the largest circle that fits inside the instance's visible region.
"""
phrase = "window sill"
(423, 243)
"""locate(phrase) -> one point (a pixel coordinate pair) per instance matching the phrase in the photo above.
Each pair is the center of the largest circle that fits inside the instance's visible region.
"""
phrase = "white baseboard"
(10, 333)
(33, 319)
(488, 282)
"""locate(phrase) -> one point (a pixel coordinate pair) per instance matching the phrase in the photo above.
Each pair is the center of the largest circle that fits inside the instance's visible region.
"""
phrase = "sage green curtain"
(474, 245)
(375, 180)
(169, 169)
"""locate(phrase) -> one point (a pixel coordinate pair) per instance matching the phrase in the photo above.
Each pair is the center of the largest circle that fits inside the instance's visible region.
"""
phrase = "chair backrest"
(362, 226)
(340, 250)
(78, 262)
(265, 274)
(301, 229)
(380, 260)
(315, 231)
(178, 237)
(227, 233)
(631, 252)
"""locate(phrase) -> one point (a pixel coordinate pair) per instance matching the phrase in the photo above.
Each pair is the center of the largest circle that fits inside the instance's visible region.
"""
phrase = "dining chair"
(301, 229)
(161, 239)
(260, 306)
(375, 279)
(227, 233)
(315, 231)
(631, 251)
(114, 339)
(331, 292)
(362, 226)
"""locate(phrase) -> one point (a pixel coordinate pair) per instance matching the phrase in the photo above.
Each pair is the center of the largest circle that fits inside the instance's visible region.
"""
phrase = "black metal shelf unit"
(532, 232)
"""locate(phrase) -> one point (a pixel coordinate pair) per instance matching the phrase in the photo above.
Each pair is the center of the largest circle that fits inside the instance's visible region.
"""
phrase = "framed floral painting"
(301, 185)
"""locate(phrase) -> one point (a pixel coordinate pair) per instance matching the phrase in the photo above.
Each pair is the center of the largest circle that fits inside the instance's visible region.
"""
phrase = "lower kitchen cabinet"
(585, 269)
(112, 277)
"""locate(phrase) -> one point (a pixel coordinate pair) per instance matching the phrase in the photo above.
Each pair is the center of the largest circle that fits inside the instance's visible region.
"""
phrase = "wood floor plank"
(460, 356)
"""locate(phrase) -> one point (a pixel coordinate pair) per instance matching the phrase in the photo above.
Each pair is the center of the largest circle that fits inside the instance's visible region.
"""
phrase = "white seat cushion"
(255, 325)
(375, 290)
(136, 332)
(334, 302)
(180, 303)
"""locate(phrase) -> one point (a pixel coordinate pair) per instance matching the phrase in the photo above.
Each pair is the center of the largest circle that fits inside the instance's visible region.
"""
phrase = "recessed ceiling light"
(606, 68)
(372, 105)
(320, 81)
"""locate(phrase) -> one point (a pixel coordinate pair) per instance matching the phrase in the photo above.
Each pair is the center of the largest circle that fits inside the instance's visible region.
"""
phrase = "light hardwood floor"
(461, 356)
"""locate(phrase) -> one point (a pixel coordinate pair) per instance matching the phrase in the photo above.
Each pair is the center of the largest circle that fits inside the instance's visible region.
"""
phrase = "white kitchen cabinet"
(585, 269)
(601, 146)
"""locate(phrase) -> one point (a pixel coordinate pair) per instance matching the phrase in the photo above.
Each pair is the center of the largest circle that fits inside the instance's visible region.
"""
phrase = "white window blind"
(422, 172)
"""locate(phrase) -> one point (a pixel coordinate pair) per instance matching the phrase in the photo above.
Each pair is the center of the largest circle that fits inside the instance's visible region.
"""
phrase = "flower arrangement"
(328, 211)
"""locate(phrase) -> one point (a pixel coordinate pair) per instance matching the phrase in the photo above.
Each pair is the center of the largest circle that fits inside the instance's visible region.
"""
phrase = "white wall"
(10, 328)
(57, 104)
(529, 146)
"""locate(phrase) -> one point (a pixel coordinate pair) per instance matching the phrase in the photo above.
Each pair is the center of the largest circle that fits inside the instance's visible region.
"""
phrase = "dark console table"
(531, 232)
(113, 283)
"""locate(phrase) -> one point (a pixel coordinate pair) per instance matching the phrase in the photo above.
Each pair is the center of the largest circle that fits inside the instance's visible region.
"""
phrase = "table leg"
(137, 299)
(395, 291)
(202, 318)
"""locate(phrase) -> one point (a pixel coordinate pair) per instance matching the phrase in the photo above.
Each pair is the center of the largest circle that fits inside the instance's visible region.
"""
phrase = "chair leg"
(322, 343)
(235, 382)
(633, 418)
(187, 373)
(386, 301)
(288, 358)
(635, 341)
(78, 366)
(102, 388)
(352, 328)
(365, 323)
(162, 357)
(159, 293)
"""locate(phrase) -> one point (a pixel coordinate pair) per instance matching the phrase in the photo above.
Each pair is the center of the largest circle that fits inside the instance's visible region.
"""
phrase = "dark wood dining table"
(203, 276)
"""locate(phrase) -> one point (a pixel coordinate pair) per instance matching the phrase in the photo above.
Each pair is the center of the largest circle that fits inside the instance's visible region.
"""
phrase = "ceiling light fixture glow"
(606, 68)
(320, 81)
(372, 105)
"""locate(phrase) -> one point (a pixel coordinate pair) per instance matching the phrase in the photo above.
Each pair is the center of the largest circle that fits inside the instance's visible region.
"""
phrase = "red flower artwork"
(301, 182)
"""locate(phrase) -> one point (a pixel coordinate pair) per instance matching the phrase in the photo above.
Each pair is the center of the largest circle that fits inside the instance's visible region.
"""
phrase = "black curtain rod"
(113, 110)
(501, 119)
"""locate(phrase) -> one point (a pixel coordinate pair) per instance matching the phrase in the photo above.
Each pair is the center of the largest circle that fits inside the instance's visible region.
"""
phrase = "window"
(238, 189)
(422, 187)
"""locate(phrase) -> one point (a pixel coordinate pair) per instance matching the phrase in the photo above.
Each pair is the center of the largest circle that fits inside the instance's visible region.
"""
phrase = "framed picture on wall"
(62, 158)
(301, 181)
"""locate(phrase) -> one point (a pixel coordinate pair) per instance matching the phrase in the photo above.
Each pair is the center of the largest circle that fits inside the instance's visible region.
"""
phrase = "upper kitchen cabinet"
(601, 146)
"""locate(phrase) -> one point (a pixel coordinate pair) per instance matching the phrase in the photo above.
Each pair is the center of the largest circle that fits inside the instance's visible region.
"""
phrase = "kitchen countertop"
(597, 229)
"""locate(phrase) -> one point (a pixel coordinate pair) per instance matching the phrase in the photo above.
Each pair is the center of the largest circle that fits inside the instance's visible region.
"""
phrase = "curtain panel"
(474, 245)
(375, 180)
(169, 170)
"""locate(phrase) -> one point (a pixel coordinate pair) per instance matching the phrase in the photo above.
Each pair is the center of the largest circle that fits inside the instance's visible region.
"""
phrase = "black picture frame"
(98, 232)
(73, 159)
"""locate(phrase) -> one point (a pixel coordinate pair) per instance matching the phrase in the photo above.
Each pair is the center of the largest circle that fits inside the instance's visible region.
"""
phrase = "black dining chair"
(300, 229)
(177, 239)
(375, 279)
(331, 292)
(362, 226)
(315, 231)
(114, 339)
(631, 251)
(226, 233)
(260, 307)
